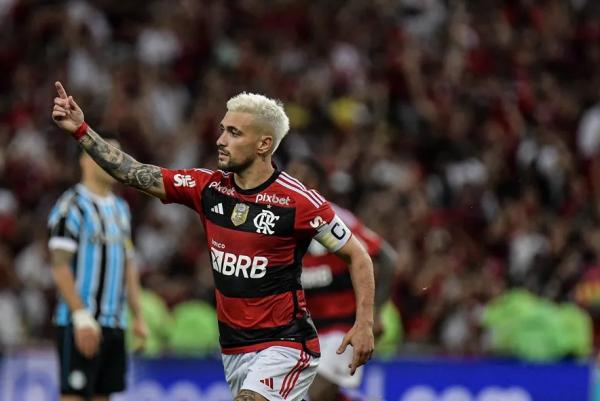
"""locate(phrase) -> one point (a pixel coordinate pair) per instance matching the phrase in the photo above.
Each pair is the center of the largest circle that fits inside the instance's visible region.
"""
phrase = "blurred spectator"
(10, 305)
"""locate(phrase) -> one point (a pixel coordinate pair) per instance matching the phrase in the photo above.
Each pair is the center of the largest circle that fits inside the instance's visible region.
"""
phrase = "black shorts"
(103, 374)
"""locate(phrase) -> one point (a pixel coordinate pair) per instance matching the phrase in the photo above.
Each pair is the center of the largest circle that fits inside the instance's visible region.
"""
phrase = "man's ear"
(265, 145)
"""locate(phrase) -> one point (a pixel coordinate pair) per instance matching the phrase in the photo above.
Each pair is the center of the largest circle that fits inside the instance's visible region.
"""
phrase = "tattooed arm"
(124, 168)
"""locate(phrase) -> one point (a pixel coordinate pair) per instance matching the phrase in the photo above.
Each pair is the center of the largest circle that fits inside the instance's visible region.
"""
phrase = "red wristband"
(81, 131)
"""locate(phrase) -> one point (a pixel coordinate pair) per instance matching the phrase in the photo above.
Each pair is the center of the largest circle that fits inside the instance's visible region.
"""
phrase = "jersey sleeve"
(185, 186)
(324, 225)
(64, 223)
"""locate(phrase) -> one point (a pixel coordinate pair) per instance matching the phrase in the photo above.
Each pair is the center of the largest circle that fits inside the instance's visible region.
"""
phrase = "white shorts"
(334, 367)
(276, 373)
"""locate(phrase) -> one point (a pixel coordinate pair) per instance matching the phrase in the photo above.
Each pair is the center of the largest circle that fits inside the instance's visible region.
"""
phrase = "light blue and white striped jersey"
(98, 231)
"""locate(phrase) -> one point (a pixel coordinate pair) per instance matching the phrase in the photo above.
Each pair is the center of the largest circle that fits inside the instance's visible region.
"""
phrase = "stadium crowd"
(467, 133)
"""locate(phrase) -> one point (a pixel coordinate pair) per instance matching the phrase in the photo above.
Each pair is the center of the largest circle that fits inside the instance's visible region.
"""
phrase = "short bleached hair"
(269, 111)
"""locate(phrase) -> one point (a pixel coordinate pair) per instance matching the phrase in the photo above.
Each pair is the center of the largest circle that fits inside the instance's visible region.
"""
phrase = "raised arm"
(124, 168)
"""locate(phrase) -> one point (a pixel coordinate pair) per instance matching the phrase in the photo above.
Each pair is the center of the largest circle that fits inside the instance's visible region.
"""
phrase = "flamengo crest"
(265, 221)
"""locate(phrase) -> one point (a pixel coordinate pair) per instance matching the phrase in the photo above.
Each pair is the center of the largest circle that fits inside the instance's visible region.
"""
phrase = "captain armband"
(333, 235)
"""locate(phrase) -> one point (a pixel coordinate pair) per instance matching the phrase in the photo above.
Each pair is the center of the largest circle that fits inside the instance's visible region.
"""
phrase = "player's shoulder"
(66, 200)
(298, 193)
(206, 172)
(66, 204)
(217, 180)
(208, 175)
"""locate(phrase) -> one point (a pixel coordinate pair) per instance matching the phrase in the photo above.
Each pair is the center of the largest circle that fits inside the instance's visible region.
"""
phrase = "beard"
(235, 167)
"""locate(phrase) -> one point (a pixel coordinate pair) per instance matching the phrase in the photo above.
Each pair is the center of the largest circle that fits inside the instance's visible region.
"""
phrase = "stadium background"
(467, 133)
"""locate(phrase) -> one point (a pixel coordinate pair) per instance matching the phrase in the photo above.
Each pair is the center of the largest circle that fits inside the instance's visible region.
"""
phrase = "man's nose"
(221, 140)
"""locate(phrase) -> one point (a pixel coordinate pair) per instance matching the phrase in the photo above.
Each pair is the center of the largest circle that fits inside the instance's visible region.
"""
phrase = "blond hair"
(269, 111)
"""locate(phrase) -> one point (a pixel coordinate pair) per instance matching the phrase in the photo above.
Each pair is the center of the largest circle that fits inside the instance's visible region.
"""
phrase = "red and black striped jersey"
(257, 239)
(326, 278)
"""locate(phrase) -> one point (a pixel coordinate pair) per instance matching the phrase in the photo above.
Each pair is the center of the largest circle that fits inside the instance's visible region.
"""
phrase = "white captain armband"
(332, 235)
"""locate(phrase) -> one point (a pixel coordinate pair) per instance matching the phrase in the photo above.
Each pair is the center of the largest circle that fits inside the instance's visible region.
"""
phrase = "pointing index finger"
(61, 91)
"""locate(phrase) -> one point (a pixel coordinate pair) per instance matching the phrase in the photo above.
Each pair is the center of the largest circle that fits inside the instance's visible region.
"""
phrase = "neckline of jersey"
(260, 188)
(95, 197)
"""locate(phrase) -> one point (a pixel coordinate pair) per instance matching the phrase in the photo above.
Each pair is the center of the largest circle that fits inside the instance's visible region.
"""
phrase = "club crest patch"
(239, 214)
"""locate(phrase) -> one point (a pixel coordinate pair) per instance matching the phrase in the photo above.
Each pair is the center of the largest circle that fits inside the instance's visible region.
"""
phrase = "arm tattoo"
(120, 165)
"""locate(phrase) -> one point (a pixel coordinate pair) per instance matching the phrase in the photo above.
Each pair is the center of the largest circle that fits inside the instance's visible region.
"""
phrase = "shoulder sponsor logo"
(230, 264)
(317, 222)
(218, 209)
(273, 199)
(265, 221)
(222, 189)
(184, 180)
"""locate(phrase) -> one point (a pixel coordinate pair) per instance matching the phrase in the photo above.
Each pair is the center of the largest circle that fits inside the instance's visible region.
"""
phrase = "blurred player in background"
(258, 222)
(329, 296)
(92, 264)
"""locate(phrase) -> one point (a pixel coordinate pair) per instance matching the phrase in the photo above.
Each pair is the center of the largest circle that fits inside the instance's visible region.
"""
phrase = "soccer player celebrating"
(92, 264)
(329, 296)
(258, 222)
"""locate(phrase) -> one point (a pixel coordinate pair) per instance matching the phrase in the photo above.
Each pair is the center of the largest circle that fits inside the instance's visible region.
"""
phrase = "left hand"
(140, 331)
(361, 338)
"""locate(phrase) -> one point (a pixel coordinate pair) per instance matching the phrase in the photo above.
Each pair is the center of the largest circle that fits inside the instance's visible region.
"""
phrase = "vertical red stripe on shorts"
(304, 365)
(285, 379)
(292, 377)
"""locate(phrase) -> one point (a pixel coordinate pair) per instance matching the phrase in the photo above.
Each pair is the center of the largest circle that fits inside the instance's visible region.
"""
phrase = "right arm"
(124, 168)
(63, 278)
(87, 331)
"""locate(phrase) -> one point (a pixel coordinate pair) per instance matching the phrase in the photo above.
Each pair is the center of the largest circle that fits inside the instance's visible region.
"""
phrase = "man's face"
(237, 144)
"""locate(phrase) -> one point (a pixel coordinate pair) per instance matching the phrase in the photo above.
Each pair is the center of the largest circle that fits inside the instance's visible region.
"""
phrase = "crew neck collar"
(97, 198)
(260, 188)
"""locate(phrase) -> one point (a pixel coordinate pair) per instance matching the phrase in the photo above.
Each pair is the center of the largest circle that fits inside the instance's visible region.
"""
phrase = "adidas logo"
(268, 382)
(218, 209)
